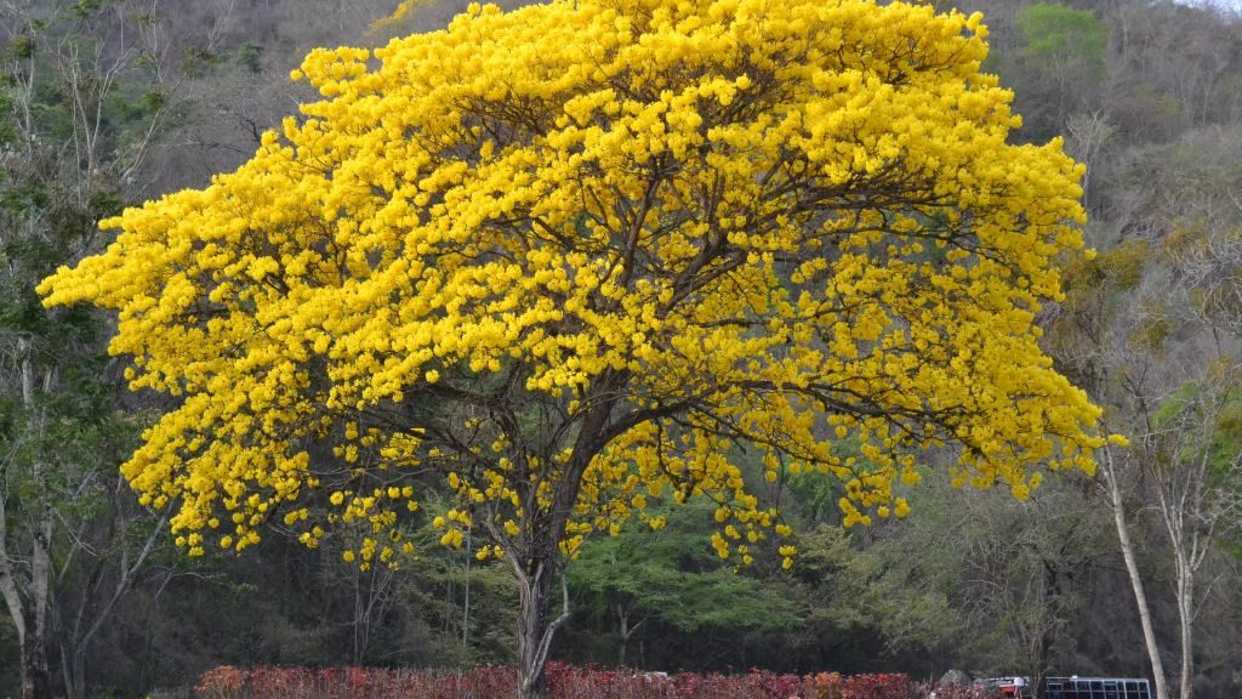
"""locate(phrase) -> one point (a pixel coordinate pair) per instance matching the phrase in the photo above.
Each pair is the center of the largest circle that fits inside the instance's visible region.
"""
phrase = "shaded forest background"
(104, 103)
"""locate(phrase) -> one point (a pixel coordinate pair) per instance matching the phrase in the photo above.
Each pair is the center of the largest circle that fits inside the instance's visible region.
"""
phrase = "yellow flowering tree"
(559, 261)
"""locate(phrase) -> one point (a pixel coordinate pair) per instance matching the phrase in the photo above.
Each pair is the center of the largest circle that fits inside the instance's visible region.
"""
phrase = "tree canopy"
(574, 256)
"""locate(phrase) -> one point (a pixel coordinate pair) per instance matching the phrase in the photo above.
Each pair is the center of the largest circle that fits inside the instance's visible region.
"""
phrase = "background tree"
(78, 111)
(1143, 325)
(1065, 48)
(668, 580)
(1195, 453)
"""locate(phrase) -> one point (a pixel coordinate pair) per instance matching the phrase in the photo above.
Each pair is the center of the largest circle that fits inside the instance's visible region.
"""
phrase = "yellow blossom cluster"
(562, 261)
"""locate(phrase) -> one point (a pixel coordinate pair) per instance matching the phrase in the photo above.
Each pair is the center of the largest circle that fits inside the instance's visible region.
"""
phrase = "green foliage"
(1092, 281)
(8, 132)
(1153, 332)
(197, 62)
(20, 47)
(880, 588)
(435, 586)
(132, 105)
(1220, 407)
(1053, 31)
(250, 56)
(817, 497)
(671, 576)
(88, 8)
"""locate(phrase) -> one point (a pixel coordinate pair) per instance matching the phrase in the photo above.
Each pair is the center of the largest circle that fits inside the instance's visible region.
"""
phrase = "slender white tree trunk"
(1185, 611)
(40, 586)
(1111, 478)
(1186, 559)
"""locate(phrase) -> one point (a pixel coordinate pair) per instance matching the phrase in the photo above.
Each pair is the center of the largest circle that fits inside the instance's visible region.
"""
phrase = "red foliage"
(564, 682)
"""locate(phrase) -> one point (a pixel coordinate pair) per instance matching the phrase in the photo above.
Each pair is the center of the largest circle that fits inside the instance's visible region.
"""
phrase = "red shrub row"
(565, 682)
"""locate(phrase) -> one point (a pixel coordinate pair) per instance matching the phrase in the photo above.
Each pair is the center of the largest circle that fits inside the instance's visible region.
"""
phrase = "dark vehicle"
(1071, 687)
(1096, 688)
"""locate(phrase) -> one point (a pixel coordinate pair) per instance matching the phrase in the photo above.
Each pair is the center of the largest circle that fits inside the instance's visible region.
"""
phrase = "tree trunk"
(465, 610)
(74, 672)
(1185, 613)
(1136, 581)
(623, 619)
(532, 628)
(1041, 666)
(36, 681)
(627, 631)
(535, 629)
(12, 597)
(537, 558)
